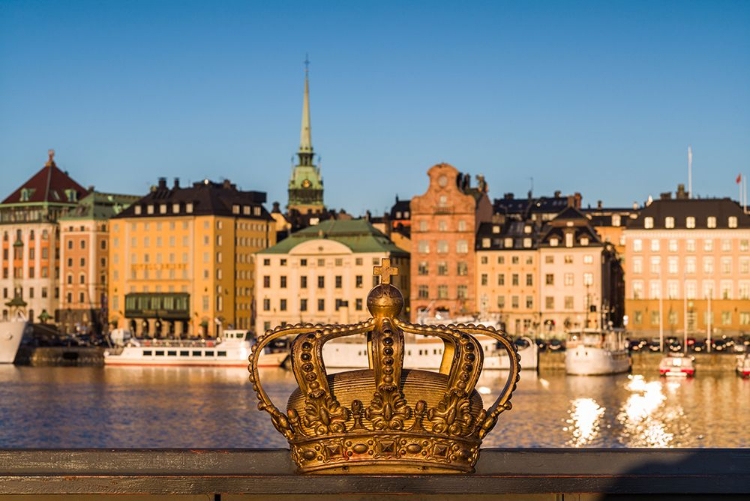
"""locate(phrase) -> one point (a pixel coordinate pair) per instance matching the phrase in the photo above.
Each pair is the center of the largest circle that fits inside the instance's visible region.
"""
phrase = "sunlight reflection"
(643, 416)
(584, 421)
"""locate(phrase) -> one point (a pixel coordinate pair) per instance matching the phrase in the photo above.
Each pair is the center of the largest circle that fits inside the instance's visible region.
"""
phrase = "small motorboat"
(677, 364)
(743, 365)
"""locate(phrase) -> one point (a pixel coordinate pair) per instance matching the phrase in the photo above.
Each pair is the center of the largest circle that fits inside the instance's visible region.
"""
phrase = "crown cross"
(385, 272)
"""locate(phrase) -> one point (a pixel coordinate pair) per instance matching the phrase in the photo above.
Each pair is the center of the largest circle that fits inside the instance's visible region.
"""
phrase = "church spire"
(305, 140)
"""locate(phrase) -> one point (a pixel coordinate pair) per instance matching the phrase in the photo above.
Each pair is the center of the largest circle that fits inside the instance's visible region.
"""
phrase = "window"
(282, 305)
(568, 259)
(442, 226)
(423, 247)
(690, 265)
(514, 302)
(462, 268)
(282, 282)
(672, 264)
(711, 222)
(442, 268)
(655, 245)
(358, 304)
(690, 222)
(655, 264)
(462, 292)
(484, 279)
(637, 245)
(266, 304)
(442, 292)
(321, 282)
(303, 282)
(568, 302)
(549, 303)
(549, 259)
(462, 246)
(637, 265)
(358, 281)
(549, 279)
(529, 279)
(266, 281)
(514, 279)
(568, 279)
(669, 222)
(337, 281)
(732, 221)
(422, 268)
(708, 245)
(442, 246)
(501, 302)
(708, 265)
(648, 222)
(726, 245)
(501, 279)
(529, 302)
(303, 304)
(321, 304)
(423, 292)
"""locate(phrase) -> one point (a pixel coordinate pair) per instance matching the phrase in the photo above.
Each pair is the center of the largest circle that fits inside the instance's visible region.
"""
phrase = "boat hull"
(591, 361)
(11, 332)
(187, 356)
(424, 354)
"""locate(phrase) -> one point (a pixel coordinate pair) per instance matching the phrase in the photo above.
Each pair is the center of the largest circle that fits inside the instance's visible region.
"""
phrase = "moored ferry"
(595, 352)
(421, 352)
(11, 332)
(231, 350)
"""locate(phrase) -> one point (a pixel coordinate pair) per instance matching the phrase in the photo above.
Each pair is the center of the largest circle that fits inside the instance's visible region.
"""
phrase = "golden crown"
(386, 419)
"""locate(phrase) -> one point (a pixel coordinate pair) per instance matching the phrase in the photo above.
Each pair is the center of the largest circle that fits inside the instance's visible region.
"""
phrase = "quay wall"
(648, 361)
(89, 356)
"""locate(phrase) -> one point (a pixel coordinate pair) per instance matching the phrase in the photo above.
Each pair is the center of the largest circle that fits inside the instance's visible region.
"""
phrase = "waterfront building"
(323, 273)
(688, 267)
(31, 241)
(181, 259)
(542, 275)
(610, 223)
(306, 183)
(444, 222)
(84, 261)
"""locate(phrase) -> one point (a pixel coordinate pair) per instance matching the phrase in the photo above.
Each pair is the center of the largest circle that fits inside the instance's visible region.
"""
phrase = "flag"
(739, 178)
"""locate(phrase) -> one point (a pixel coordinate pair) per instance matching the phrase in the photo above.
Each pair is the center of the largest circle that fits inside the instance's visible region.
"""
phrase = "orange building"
(181, 259)
(444, 222)
(688, 267)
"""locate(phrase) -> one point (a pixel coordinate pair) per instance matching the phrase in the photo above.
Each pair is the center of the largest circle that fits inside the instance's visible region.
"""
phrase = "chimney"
(176, 182)
(598, 204)
(557, 193)
(667, 195)
(162, 182)
(681, 193)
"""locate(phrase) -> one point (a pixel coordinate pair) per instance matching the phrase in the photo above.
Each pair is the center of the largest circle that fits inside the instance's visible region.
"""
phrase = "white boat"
(231, 350)
(594, 352)
(677, 364)
(11, 332)
(422, 352)
(743, 365)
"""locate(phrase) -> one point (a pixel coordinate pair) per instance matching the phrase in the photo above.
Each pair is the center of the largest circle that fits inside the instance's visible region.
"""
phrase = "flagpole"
(690, 172)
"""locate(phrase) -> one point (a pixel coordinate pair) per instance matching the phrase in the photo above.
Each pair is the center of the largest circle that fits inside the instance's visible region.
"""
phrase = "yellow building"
(181, 260)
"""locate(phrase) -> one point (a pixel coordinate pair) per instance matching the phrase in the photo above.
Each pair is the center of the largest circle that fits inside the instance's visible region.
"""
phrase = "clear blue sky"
(599, 97)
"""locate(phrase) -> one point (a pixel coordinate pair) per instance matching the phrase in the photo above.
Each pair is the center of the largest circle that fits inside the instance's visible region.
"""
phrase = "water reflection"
(62, 407)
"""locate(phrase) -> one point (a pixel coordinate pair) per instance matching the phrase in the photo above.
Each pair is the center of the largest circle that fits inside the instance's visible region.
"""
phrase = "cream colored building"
(322, 274)
(688, 267)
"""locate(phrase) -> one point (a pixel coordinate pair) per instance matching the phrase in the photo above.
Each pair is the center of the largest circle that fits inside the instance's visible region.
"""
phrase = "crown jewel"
(386, 419)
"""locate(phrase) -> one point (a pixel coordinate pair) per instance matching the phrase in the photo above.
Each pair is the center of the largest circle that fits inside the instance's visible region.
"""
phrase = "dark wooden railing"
(242, 474)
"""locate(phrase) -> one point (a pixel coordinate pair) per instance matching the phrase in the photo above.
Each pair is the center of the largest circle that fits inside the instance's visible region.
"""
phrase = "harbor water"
(180, 407)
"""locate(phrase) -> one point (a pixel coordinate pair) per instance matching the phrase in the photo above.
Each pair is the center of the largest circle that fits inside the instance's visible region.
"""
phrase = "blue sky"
(599, 97)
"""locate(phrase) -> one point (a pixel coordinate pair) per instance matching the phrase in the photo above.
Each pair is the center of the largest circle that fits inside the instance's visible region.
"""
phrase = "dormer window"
(137, 210)
(616, 220)
(175, 208)
(150, 209)
(496, 229)
(508, 243)
(553, 242)
(648, 222)
(235, 209)
(163, 209)
(732, 221)
(669, 222)
(568, 240)
(189, 207)
(690, 222)
(711, 222)
(527, 229)
(584, 240)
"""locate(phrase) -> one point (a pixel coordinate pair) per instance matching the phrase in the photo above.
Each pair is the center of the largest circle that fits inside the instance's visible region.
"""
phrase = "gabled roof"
(356, 234)
(570, 220)
(50, 185)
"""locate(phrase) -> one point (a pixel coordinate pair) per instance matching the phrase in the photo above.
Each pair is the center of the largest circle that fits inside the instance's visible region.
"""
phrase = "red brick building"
(444, 221)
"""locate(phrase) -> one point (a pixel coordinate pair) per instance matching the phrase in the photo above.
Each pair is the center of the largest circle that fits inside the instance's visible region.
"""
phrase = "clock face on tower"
(306, 183)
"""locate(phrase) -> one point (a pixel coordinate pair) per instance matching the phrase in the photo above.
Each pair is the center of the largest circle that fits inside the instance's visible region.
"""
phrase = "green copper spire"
(306, 183)
(305, 138)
